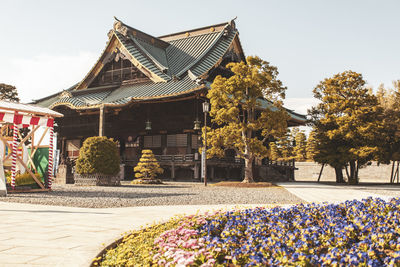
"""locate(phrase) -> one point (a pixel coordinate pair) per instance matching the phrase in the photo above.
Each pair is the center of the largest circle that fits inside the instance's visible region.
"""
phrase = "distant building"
(147, 92)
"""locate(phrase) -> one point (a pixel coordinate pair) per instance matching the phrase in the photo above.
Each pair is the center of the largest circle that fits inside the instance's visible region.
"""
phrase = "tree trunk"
(339, 175)
(353, 172)
(248, 170)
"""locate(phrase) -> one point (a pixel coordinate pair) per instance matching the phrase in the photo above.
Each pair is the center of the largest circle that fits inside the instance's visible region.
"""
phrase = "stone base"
(97, 179)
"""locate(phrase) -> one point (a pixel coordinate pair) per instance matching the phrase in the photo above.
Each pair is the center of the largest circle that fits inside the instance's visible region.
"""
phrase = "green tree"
(389, 137)
(285, 144)
(300, 148)
(148, 166)
(274, 152)
(244, 124)
(8, 92)
(346, 123)
(311, 147)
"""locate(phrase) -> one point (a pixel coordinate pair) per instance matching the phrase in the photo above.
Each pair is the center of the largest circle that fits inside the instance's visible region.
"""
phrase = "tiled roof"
(141, 55)
(169, 59)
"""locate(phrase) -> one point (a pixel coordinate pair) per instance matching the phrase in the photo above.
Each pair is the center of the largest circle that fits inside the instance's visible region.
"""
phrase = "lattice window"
(177, 140)
(151, 141)
(195, 141)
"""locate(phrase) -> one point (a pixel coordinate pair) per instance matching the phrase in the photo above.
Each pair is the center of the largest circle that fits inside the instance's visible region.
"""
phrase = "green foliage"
(300, 149)
(345, 122)
(243, 124)
(274, 152)
(98, 155)
(389, 138)
(311, 147)
(8, 92)
(285, 145)
(148, 166)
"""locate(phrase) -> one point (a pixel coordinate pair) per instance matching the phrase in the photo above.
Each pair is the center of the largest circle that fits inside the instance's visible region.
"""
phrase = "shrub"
(98, 155)
(23, 179)
(148, 166)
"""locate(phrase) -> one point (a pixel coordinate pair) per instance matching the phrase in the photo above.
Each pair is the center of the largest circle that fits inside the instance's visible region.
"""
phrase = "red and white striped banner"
(26, 120)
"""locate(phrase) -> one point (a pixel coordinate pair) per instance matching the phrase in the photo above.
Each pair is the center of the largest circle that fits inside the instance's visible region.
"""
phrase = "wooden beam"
(30, 172)
(40, 141)
(29, 156)
(16, 191)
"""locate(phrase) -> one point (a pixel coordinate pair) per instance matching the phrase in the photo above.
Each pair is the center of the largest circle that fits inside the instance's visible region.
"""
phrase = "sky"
(47, 46)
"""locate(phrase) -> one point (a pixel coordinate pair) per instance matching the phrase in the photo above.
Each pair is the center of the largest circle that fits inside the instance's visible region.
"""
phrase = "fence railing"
(187, 158)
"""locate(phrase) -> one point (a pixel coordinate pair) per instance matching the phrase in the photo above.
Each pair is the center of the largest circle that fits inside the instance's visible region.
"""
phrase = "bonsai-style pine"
(148, 168)
(98, 155)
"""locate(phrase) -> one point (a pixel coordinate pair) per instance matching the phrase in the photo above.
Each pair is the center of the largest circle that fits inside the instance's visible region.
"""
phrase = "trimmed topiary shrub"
(98, 155)
(148, 167)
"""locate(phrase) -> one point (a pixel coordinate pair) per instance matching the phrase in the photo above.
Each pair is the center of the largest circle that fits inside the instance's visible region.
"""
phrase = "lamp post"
(206, 109)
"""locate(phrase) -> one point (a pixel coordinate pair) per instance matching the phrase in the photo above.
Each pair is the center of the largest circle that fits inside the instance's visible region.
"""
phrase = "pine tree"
(244, 125)
(285, 145)
(274, 152)
(148, 167)
(311, 147)
(8, 92)
(300, 149)
(346, 123)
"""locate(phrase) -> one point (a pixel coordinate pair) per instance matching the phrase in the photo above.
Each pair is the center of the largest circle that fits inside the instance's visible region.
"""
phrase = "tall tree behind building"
(311, 147)
(300, 148)
(8, 92)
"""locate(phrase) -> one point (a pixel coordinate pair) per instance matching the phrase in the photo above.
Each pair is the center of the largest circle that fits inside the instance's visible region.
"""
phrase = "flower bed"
(352, 233)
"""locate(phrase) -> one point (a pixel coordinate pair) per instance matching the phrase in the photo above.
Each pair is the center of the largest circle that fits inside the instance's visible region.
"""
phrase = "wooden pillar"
(173, 171)
(101, 121)
(189, 144)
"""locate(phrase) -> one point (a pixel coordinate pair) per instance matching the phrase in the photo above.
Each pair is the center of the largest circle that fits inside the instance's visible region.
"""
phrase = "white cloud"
(46, 74)
(300, 105)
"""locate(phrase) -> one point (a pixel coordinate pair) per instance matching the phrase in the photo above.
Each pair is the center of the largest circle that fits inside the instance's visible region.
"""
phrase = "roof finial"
(232, 23)
(116, 19)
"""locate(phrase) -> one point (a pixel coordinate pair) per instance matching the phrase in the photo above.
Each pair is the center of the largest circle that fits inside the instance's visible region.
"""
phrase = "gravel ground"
(171, 193)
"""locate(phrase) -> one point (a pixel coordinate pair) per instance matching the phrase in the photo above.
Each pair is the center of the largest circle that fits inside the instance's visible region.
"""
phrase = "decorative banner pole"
(14, 155)
(50, 168)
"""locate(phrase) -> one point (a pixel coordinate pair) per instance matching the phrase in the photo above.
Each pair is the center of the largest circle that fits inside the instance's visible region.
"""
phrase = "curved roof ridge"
(118, 24)
(205, 52)
(182, 34)
(149, 54)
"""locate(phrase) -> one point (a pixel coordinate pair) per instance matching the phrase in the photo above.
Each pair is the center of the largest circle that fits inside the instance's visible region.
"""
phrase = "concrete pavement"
(318, 192)
(38, 235)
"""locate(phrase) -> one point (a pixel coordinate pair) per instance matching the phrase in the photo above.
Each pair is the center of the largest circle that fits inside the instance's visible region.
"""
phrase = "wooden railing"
(191, 158)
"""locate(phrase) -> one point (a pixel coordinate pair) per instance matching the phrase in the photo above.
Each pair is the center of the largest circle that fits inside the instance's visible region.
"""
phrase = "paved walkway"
(35, 235)
(317, 192)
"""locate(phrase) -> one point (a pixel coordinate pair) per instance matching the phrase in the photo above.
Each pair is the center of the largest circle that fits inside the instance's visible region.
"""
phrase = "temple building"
(147, 92)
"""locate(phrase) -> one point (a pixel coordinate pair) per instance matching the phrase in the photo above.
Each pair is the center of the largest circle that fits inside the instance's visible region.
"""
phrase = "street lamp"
(206, 109)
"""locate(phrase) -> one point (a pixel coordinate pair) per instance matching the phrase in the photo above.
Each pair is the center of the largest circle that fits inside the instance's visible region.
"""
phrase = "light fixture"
(197, 125)
(206, 107)
(148, 125)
